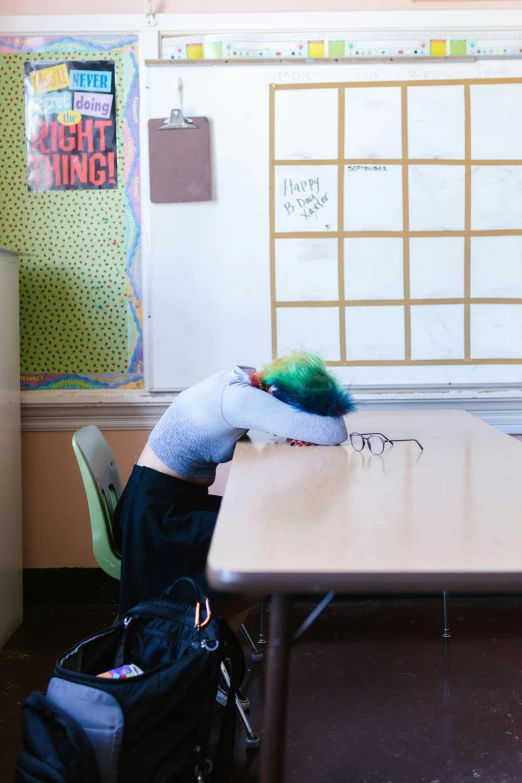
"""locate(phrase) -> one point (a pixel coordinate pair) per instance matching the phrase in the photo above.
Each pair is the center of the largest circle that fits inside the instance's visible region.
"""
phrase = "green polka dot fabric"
(78, 307)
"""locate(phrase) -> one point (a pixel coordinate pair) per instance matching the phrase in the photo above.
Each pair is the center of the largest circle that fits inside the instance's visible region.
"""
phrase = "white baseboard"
(110, 410)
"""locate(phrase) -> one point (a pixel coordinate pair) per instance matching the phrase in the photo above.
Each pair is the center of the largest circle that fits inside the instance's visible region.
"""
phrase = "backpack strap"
(177, 590)
(225, 750)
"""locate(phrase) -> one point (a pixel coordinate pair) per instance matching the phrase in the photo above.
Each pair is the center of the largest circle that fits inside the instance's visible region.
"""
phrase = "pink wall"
(56, 527)
(224, 6)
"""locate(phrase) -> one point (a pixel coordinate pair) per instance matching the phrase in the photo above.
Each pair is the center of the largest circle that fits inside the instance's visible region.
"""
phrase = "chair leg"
(261, 639)
(252, 740)
(445, 629)
(257, 655)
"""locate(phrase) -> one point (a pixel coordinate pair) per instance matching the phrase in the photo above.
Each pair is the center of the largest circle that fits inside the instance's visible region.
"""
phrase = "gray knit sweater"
(202, 426)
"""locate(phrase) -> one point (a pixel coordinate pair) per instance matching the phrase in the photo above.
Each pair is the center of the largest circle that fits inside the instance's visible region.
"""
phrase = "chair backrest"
(103, 487)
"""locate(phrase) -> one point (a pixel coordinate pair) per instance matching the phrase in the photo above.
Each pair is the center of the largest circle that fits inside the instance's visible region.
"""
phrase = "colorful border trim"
(340, 45)
(133, 378)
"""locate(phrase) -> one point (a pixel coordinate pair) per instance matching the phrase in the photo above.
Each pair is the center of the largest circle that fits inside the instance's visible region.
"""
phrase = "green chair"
(103, 487)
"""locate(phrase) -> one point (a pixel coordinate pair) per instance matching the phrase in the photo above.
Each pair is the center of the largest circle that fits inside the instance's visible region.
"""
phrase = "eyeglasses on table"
(376, 441)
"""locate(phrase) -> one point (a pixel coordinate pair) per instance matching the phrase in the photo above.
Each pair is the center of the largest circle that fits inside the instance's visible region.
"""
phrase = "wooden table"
(319, 519)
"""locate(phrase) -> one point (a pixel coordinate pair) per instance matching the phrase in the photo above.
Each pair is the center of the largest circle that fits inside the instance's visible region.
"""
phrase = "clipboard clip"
(177, 121)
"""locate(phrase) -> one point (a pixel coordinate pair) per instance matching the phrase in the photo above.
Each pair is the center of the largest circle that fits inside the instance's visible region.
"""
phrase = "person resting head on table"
(165, 518)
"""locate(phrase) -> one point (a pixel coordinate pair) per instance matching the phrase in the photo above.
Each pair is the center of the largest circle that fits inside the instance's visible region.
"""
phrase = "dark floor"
(376, 695)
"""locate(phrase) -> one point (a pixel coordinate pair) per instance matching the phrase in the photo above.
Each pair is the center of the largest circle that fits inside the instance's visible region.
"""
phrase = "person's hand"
(299, 443)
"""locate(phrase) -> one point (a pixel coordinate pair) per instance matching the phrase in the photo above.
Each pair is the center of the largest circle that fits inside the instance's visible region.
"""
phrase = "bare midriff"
(149, 460)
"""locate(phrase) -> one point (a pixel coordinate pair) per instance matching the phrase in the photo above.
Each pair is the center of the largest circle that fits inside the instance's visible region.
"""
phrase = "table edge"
(238, 582)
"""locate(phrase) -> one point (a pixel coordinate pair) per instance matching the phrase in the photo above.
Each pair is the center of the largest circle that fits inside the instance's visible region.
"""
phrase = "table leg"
(273, 744)
(445, 631)
(261, 639)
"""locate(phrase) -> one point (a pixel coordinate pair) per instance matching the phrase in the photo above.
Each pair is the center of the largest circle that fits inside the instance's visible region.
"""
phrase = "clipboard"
(179, 153)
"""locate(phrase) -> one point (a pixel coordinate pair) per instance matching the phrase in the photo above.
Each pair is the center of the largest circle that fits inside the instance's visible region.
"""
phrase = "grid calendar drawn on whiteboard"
(396, 221)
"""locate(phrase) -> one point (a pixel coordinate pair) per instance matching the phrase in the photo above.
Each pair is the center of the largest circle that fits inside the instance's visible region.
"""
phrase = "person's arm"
(246, 407)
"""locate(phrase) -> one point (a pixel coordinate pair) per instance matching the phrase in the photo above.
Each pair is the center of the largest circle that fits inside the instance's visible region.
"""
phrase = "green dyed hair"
(303, 381)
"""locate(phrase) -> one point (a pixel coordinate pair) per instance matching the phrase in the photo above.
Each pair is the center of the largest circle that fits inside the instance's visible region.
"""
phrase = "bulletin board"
(397, 221)
(80, 249)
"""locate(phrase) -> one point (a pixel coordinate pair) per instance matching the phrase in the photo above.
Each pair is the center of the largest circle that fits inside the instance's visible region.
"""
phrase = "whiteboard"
(252, 270)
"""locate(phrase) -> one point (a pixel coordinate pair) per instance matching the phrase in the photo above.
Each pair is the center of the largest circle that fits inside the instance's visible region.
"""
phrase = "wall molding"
(52, 411)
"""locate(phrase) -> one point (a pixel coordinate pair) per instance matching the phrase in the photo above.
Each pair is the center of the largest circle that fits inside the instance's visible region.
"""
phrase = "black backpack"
(152, 728)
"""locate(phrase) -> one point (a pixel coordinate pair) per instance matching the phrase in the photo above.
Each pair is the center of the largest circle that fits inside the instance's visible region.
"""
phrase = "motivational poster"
(71, 135)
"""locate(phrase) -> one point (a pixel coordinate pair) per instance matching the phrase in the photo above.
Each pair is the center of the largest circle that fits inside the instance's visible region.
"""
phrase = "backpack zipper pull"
(210, 645)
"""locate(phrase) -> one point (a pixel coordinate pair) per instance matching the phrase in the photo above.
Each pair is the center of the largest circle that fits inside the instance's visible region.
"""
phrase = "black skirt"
(163, 527)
